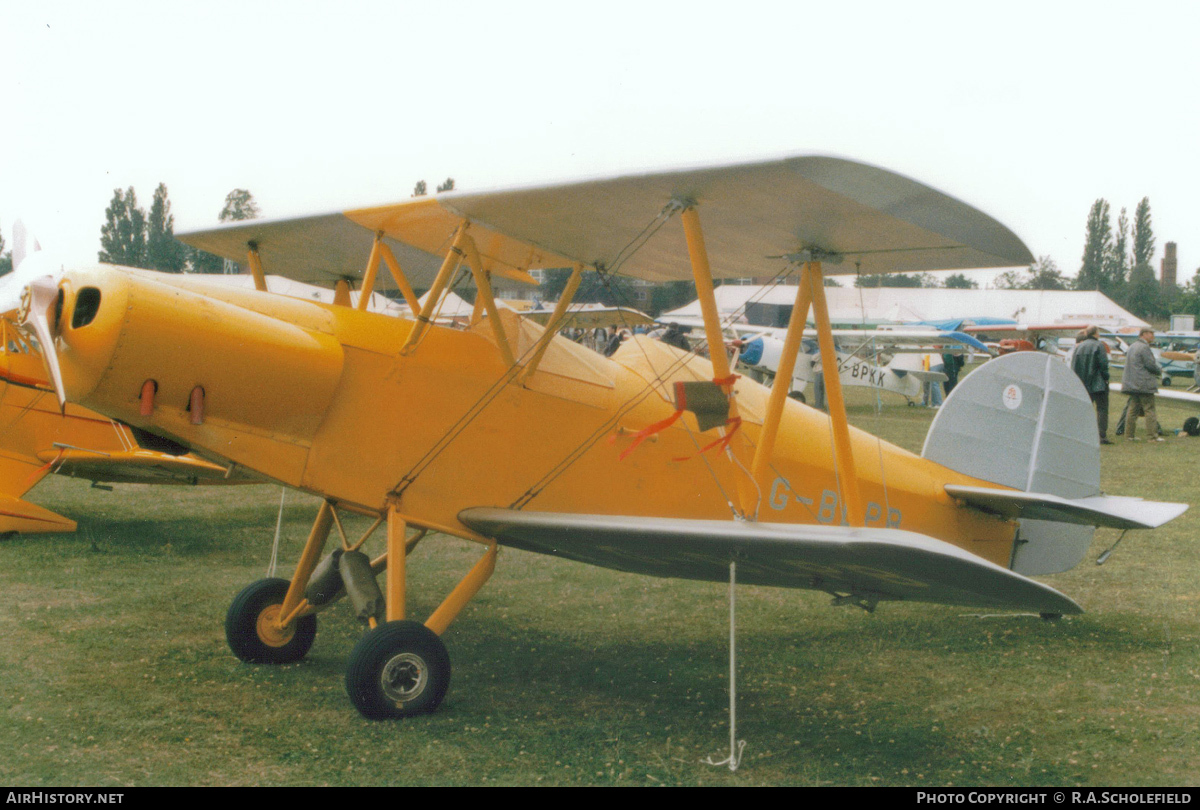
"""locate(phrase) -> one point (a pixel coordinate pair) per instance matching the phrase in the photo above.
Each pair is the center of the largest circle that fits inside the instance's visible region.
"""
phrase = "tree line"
(131, 238)
(1116, 261)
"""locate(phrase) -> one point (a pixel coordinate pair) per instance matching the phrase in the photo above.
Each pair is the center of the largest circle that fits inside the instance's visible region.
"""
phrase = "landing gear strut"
(399, 668)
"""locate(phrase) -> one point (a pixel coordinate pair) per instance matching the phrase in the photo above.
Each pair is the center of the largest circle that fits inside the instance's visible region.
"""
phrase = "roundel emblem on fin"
(1011, 397)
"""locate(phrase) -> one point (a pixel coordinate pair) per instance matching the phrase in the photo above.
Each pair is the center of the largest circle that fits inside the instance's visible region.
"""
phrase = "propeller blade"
(13, 285)
(42, 294)
(24, 243)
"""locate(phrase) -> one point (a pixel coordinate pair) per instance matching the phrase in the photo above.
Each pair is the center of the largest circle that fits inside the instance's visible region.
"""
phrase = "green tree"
(123, 234)
(890, 280)
(1009, 280)
(1143, 235)
(239, 205)
(1097, 245)
(1045, 275)
(672, 295)
(609, 290)
(1116, 262)
(554, 281)
(960, 282)
(163, 251)
(5, 258)
(1144, 295)
(1188, 300)
(447, 186)
(419, 189)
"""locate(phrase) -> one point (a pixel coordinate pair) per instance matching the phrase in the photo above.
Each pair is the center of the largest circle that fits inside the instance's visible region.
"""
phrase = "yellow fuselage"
(318, 397)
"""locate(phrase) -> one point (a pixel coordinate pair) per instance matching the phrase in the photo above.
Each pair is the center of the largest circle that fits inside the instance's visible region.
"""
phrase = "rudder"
(1025, 421)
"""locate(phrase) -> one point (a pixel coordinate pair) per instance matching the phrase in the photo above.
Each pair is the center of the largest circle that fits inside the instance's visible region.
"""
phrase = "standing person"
(1140, 383)
(675, 336)
(1089, 360)
(954, 364)
(932, 390)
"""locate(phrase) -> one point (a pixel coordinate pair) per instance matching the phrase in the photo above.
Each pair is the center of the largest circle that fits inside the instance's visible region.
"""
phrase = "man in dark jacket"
(1090, 362)
(1140, 383)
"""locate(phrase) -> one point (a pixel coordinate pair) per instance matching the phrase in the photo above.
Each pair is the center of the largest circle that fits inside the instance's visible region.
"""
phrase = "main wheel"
(252, 626)
(798, 396)
(398, 669)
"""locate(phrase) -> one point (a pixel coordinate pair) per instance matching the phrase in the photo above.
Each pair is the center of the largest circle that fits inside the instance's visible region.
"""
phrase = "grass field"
(115, 671)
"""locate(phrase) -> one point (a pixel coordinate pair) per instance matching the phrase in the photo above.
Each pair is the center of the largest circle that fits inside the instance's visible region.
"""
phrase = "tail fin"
(1024, 420)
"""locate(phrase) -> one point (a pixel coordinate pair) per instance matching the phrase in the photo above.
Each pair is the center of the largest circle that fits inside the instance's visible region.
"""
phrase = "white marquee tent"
(849, 306)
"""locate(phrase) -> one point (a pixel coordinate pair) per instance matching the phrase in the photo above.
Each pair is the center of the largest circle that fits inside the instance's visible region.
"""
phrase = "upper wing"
(753, 215)
(868, 564)
(317, 249)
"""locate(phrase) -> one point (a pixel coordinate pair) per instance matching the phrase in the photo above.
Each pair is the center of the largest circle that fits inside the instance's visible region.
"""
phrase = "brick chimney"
(1170, 266)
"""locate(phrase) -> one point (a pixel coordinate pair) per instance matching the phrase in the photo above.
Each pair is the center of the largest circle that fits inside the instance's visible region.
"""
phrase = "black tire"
(249, 637)
(398, 669)
(1167, 380)
(798, 396)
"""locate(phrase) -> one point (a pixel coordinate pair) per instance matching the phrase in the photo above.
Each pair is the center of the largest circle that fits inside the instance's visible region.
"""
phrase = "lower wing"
(867, 565)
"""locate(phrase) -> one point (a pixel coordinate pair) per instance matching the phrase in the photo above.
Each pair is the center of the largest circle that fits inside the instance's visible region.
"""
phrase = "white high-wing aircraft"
(902, 371)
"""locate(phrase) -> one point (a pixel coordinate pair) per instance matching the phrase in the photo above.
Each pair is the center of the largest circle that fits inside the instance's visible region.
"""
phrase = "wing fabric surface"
(878, 564)
(753, 215)
(315, 249)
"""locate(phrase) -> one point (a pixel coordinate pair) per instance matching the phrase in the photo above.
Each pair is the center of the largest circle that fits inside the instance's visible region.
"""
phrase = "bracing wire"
(489, 394)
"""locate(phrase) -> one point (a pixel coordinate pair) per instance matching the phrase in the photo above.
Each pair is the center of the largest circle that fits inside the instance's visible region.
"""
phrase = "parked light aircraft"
(883, 360)
(504, 434)
(1023, 337)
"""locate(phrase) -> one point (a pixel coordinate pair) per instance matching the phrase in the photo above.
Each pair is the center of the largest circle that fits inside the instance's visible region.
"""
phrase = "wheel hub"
(404, 677)
(270, 631)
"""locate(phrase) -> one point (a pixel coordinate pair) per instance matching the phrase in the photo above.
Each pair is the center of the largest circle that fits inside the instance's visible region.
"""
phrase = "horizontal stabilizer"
(869, 564)
(1099, 510)
(21, 516)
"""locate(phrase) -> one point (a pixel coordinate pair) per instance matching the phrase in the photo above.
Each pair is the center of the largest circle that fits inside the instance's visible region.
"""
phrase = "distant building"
(1170, 266)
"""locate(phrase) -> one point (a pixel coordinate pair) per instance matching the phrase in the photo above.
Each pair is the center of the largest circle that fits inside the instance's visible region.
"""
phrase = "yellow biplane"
(655, 461)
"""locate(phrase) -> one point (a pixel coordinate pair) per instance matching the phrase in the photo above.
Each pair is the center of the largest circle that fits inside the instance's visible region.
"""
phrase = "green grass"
(115, 671)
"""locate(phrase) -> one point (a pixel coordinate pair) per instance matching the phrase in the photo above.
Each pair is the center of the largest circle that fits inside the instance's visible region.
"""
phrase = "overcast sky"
(1029, 111)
